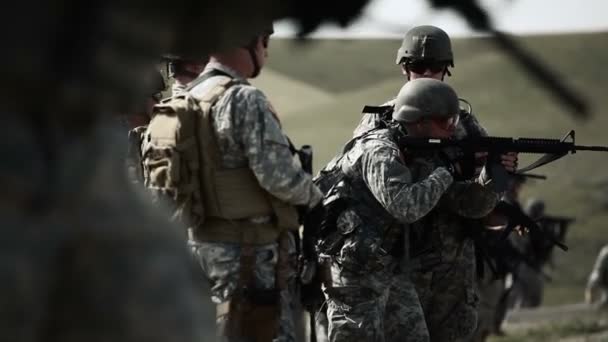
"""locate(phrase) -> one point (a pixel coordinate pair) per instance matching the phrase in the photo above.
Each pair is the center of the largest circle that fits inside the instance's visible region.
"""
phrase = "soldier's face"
(262, 49)
(442, 127)
(424, 69)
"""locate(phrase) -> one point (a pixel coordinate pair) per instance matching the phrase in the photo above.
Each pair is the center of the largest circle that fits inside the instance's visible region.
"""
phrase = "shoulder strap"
(208, 136)
(206, 76)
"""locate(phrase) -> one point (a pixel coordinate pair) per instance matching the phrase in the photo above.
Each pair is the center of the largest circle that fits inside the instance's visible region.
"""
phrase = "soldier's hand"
(509, 161)
(521, 230)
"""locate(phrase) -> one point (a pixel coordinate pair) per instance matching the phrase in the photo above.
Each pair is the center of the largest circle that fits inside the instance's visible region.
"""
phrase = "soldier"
(381, 191)
(493, 294)
(250, 185)
(183, 70)
(597, 285)
(528, 278)
(426, 52)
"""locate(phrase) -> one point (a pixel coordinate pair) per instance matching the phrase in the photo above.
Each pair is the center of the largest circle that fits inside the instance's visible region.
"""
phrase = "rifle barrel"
(591, 148)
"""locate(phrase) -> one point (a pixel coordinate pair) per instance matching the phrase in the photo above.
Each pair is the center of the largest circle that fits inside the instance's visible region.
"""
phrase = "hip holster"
(253, 314)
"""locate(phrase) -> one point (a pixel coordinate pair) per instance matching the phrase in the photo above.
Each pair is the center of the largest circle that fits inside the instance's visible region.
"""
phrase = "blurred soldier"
(381, 191)
(243, 218)
(493, 293)
(81, 257)
(527, 277)
(537, 250)
(183, 70)
(597, 285)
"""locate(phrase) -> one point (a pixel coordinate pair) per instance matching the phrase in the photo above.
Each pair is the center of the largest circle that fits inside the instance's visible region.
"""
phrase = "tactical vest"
(182, 166)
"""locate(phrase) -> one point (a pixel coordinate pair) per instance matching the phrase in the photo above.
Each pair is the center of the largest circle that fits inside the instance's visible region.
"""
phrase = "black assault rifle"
(552, 149)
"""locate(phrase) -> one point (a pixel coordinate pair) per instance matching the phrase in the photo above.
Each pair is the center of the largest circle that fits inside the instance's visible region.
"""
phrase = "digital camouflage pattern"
(88, 259)
(447, 289)
(368, 272)
(220, 264)
(248, 134)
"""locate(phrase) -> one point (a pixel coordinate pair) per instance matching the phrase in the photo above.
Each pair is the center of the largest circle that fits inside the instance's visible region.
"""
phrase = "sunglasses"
(265, 41)
(421, 66)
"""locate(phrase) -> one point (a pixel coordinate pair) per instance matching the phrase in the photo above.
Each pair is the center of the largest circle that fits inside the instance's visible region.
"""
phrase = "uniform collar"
(221, 67)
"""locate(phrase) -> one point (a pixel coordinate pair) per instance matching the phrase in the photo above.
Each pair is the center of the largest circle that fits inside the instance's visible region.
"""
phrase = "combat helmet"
(425, 98)
(426, 43)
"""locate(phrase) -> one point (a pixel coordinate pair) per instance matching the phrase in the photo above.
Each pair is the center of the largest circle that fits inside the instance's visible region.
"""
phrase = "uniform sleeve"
(390, 181)
(369, 121)
(470, 199)
(267, 150)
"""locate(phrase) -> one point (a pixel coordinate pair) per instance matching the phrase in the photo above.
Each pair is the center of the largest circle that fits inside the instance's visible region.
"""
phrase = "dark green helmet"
(425, 98)
(426, 43)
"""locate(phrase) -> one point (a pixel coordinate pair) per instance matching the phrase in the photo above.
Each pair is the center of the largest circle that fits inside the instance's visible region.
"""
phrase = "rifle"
(516, 217)
(495, 247)
(561, 220)
(309, 274)
(552, 149)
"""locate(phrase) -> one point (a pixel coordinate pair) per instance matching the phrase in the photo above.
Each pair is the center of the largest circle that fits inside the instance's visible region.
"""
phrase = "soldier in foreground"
(242, 192)
(380, 191)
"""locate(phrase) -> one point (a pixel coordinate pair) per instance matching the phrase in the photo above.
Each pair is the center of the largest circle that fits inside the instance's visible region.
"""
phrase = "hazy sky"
(386, 18)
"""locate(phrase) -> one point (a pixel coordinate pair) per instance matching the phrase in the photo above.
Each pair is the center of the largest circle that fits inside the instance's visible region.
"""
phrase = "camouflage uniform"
(371, 296)
(598, 279)
(249, 134)
(90, 260)
(459, 282)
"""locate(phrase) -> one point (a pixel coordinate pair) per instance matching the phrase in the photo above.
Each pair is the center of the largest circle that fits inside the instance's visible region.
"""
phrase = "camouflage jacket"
(384, 195)
(249, 134)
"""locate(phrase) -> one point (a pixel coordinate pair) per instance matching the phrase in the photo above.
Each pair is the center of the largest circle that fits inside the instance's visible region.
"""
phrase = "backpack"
(181, 166)
(170, 157)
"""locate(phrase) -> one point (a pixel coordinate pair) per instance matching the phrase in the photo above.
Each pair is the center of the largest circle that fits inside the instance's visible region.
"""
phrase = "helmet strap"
(446, 72)
(254, 61)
